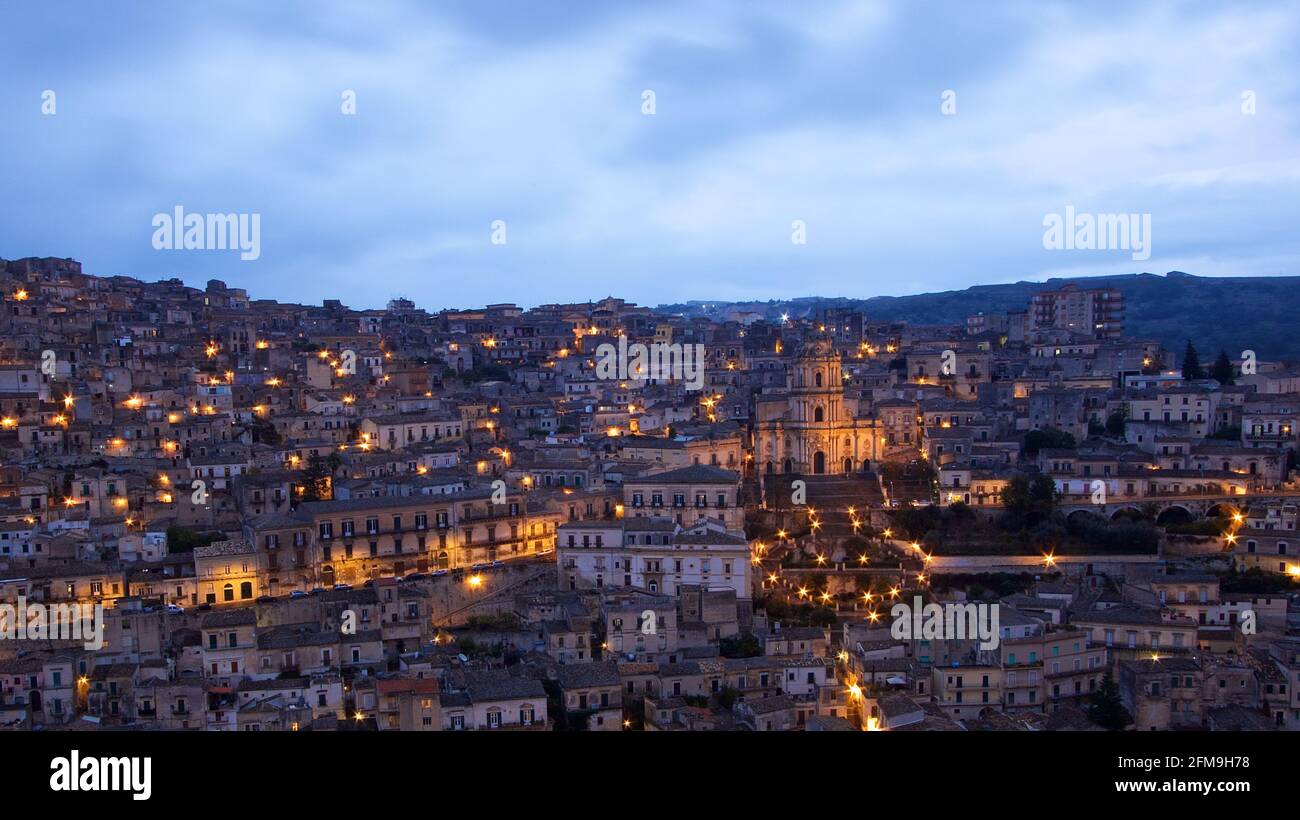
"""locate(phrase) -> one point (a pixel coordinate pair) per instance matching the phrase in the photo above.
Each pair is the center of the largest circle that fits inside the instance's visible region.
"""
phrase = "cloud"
(766, 113)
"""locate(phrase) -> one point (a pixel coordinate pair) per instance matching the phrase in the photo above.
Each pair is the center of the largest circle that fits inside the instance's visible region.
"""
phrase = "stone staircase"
(829, 495)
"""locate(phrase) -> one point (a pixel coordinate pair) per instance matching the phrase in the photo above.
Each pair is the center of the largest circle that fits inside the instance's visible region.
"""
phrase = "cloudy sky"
(532, 113)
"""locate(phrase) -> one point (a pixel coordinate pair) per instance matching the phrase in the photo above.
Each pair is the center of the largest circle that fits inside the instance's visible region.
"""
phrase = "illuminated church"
(811, 428)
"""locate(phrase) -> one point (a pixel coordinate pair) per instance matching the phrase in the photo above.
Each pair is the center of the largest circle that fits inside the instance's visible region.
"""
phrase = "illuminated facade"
(815, 429)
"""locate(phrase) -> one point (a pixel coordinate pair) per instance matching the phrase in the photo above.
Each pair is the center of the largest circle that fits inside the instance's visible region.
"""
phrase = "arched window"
(246, 589)
(228, 592)
(819, 414)
(817, 378)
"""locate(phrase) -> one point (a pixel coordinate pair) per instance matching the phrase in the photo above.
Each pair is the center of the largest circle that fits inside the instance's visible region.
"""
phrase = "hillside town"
(226, 513)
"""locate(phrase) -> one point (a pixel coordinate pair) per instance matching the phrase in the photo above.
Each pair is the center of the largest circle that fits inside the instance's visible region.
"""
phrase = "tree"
(741, 646)
(727, 697)
(183, 539)
(1029, 501)
(823, 616)
(1222, 370)
(1115, 424)
(1048, 438)
(317, 480)
(1191, 363)
(1105, 708)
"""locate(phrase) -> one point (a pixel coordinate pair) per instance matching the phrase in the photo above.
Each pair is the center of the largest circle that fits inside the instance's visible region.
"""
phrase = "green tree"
(1222, 370)
(727, 697)
(183, 539)
(741, 646)
(1029, 501)
(317, 480)
(1048, 438)
(1115, 424)
(1105, 708)
(1191, 363)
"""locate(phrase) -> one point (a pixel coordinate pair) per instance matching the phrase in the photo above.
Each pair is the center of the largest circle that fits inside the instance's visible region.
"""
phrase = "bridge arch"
(1126, 512)
(1223, 509)
(1175, 514)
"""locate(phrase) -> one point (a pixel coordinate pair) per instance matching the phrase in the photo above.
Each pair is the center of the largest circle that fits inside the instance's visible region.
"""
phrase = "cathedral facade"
(811, 428)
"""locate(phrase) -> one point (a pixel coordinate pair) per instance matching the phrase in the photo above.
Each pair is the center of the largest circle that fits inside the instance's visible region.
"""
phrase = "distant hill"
(1230, 313)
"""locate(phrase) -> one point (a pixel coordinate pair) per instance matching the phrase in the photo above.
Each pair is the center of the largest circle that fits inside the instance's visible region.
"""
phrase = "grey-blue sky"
(828, 112)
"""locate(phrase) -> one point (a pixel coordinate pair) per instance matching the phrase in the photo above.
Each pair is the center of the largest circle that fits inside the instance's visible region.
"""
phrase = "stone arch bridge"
(1192, 507)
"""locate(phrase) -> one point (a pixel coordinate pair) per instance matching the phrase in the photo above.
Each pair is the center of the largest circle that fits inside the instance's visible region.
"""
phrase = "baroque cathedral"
(812, 427)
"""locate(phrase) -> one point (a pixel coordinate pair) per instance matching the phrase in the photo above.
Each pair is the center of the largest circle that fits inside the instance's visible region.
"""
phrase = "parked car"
(339, 587)
(175, 609)
(297, 593)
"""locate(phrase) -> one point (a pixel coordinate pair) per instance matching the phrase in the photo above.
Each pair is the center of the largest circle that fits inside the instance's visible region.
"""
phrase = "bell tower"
(816, 386)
